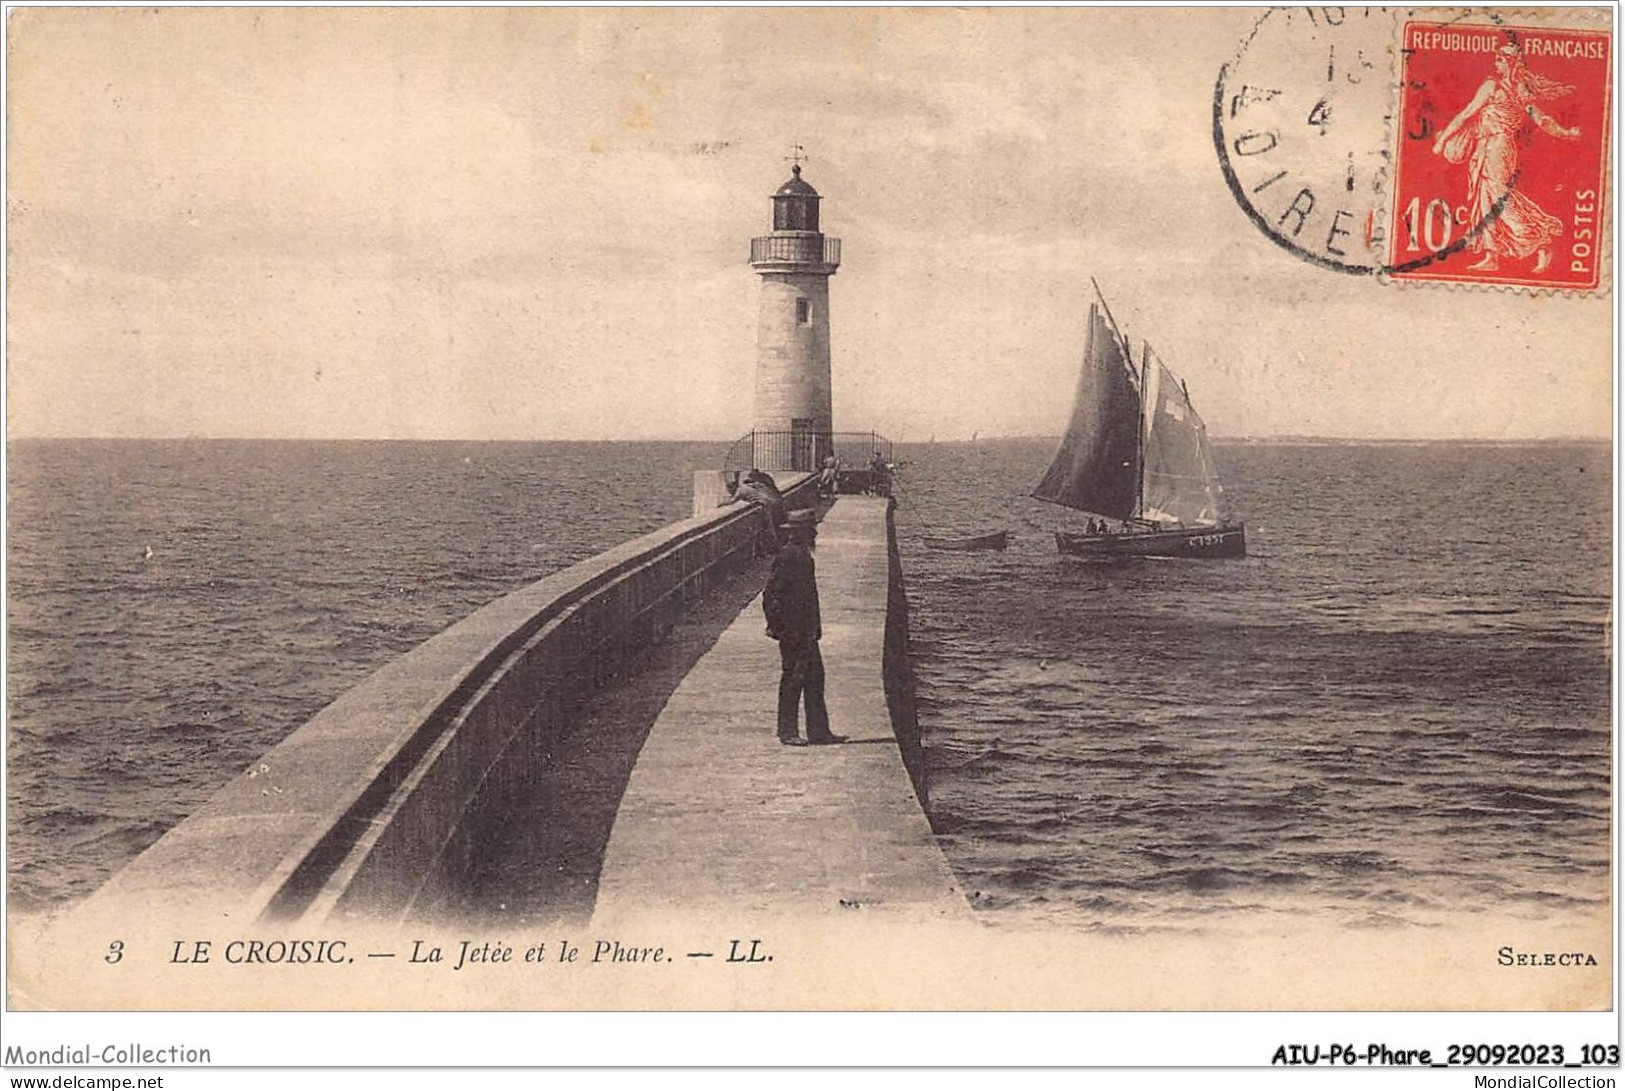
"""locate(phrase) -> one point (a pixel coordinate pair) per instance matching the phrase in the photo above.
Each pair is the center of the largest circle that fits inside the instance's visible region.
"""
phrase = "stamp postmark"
(1501, 158)
(1300, 125)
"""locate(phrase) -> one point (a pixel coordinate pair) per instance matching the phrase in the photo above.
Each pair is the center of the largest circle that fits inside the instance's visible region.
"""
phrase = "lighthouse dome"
(795, 205)
(795, 187)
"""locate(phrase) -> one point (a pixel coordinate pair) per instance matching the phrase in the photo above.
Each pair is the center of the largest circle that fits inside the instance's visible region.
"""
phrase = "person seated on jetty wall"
(790, 601)
(756, 487)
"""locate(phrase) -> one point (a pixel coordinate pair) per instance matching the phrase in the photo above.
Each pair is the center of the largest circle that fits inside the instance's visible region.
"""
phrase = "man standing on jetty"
(790, 601)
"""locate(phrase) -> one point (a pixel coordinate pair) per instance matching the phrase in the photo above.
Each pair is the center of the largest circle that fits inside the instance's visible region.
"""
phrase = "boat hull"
(1211, 543)
(997, 540)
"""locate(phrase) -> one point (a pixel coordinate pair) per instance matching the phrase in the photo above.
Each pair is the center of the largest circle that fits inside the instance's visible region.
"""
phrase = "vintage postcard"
(840, 509)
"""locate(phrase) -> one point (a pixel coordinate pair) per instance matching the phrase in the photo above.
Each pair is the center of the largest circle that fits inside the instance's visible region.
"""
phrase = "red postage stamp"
(1502, 159)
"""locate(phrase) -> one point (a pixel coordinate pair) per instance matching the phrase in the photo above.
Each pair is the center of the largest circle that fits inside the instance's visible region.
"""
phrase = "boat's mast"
(1144, 429)
(1128, 353)
(1128, 361)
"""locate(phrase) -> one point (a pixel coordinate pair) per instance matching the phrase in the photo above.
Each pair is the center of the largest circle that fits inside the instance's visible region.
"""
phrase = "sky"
(534, 224)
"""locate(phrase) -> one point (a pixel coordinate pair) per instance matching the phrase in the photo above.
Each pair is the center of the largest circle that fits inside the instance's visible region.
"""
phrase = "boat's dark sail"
(1181, 485)
(1097, 468)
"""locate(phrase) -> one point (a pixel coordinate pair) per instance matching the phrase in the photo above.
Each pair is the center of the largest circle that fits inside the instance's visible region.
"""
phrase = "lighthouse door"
(801, 443)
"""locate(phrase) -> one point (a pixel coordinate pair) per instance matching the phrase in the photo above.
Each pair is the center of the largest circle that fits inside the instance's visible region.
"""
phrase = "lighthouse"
(794, 422)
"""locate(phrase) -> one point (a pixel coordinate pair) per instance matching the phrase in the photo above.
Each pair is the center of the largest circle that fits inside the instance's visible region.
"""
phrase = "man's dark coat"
(790, 599)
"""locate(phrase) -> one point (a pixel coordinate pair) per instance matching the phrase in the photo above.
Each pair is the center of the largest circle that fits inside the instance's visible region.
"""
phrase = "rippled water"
(1395, 709)
(281, 574)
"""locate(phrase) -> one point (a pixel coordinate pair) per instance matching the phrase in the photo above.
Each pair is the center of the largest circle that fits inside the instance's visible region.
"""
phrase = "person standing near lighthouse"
(790, 601)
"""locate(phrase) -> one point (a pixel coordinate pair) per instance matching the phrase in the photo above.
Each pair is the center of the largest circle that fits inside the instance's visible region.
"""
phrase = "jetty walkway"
(721, 820)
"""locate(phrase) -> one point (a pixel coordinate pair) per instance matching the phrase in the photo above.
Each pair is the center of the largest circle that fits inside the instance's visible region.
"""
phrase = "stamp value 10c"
(1501, 164)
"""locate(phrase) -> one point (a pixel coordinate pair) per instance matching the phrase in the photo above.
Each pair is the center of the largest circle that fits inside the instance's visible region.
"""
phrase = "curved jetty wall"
(897, 668)
(376, 803)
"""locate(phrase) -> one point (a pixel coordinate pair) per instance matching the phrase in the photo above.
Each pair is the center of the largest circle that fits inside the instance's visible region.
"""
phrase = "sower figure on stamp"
(790, 601)
(1492, 127)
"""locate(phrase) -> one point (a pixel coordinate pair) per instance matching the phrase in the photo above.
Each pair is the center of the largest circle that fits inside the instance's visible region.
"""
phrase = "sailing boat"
(1136, 452)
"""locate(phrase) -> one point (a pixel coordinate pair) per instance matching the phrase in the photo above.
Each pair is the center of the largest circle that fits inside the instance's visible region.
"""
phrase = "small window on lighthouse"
(803, 313)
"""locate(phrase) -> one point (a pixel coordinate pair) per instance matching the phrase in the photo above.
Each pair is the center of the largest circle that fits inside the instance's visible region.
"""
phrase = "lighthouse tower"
(793, 417)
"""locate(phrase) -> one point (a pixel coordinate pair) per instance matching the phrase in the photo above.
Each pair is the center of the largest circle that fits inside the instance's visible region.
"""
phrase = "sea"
(1394, 711)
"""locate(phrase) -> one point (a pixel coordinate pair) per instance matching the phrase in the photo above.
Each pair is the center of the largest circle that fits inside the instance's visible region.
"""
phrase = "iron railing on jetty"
(805, 451)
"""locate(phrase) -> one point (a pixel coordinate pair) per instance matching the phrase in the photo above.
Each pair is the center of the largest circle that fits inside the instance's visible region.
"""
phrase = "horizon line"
(1279, 438)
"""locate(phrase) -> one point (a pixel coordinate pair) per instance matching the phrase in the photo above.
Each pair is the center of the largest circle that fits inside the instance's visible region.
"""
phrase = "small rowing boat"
(997, 539)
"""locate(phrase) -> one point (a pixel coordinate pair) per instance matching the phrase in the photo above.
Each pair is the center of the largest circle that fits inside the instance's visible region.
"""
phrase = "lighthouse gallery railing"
(813, 249)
